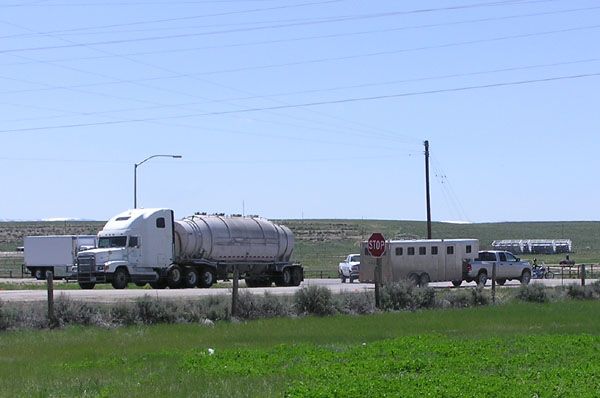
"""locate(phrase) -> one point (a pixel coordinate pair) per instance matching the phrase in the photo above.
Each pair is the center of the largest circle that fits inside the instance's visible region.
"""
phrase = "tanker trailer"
(150, 246)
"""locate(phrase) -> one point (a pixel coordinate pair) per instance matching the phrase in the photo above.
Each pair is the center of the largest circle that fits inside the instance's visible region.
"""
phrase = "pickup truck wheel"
(456, 283)
(424, 279)
(343, 278)
(501, 281)
(190, 278)
(39, 274)
(120, 279)
(525, 277)
(206, 278)
(87, 285)
(174, 277)
(481, 279)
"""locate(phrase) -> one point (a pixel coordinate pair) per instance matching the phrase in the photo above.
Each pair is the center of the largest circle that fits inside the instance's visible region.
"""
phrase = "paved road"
(111, 295)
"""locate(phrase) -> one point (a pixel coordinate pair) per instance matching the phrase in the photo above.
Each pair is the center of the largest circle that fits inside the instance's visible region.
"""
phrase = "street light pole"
(135, 166)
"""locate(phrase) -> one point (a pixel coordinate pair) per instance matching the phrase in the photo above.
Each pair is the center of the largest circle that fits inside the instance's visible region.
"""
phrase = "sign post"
(376, 248)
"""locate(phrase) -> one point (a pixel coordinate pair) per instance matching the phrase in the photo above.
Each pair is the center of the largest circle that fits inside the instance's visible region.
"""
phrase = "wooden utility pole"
(426, 143)
(234, 293)
(50, 285)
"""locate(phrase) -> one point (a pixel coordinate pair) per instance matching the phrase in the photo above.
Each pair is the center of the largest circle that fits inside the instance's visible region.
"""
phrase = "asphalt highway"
(112, 295)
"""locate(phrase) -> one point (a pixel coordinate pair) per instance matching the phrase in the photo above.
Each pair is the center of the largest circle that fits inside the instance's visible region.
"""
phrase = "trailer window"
(411, 251)
(450, 250)
(468, 248)
(398, 251)
(434, 250)
(160, 222)
(112, 241)
(422, 251)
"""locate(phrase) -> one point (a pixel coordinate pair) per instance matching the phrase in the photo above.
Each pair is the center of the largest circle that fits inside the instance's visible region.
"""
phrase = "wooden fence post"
(234, 293)
(582, 269)
(50, 284)
(494, 282)
(377, 282)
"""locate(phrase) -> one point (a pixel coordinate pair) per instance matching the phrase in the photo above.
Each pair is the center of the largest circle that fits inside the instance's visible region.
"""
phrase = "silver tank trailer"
(232, 239)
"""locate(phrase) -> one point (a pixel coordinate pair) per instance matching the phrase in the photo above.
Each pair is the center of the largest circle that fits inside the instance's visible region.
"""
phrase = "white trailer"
(420, 261)
(56, 253)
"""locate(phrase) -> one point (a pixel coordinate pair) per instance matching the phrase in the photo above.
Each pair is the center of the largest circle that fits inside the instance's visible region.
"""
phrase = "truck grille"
(86, 270)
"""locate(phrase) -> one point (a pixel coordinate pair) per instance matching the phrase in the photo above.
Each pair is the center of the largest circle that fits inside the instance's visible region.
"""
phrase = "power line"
(184, 35)
(339, 101)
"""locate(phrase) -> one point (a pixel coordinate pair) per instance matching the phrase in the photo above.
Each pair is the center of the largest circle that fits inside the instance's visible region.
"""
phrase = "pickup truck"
(349, 268)
(507, 267)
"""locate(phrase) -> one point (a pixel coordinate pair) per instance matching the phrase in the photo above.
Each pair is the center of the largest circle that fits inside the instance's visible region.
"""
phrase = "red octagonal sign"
(376, 245)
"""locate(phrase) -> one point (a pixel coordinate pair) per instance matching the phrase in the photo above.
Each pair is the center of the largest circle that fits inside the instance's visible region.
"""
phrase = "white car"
(348, 269)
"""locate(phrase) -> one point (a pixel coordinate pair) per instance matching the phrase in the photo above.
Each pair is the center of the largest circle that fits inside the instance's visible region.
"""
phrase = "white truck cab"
(133, 245)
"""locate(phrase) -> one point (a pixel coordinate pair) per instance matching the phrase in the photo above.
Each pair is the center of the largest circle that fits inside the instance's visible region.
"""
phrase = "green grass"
(513, 350)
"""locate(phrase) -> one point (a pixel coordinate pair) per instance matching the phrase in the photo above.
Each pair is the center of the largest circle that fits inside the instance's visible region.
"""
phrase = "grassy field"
(515, 350)
(322, 244)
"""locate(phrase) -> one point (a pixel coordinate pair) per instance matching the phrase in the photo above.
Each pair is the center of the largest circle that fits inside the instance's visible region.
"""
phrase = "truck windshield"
(112, 241)
(355, 259)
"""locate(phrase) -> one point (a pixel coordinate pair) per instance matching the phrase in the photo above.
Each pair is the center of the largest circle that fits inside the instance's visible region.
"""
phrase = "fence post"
(50, 284)
(582, 269)
(234, 293)
(494, 282)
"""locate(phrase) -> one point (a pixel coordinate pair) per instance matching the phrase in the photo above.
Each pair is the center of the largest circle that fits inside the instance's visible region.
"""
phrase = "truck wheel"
(120, 279)
(296, 276)
(174, 277)
(140, 284)
(501, 281)
(87, 285)
(525, 277)
(286, 276)
(343, 278)
(190, 278)
(424, 280)
(456, 283)
(481, 279)
(207, 278)
(39, 274)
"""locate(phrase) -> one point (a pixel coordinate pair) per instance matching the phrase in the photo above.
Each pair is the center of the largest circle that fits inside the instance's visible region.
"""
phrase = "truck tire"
(456, 283)
(39, 274)
(424, 279)
(343, 278)
(481, 279)
(206, 278)
(501, 281)
(174, 277)
(286, 276)
(525, 277)
(140, 284)
(120, 279)
(87, 285)
(190, 277)
(297, 276)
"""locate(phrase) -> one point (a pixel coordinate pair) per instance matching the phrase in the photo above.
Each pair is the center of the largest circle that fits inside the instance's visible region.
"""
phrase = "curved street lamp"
(135, 166)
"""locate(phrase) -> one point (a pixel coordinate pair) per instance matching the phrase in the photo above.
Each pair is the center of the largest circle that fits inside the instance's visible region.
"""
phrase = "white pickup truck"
(349, 268)
(507, 267)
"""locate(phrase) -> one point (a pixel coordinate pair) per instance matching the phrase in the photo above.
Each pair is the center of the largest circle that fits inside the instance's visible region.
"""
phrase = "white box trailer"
(420, 261)
(56, 253)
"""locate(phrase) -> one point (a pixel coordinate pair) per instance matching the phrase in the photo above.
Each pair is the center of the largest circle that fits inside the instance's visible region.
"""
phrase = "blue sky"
(307, 108)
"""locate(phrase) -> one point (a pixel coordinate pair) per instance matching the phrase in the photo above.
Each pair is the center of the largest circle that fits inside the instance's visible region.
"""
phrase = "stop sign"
(376, 245)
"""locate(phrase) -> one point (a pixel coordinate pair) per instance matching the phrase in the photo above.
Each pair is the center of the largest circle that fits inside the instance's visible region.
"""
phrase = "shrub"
(314, 300)
(123, 314)
(460, 298)
(580, 292)
(535, 293)
(151, 311)
(355, 303)
(67, 311)
(397, 296)
(479, 297)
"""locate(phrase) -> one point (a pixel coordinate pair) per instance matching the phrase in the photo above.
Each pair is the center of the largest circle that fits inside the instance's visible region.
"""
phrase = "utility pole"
(426, 143)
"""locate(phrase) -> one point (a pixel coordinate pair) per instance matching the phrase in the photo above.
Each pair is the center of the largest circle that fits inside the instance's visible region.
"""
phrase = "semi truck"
(56, 253)
(149, 246)
(420, 261)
